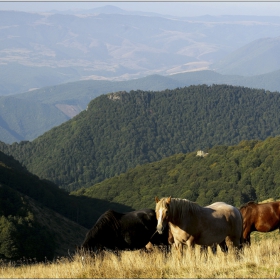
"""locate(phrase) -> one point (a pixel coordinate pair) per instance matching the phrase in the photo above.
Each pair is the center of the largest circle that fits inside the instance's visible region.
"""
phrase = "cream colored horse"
(192, 224)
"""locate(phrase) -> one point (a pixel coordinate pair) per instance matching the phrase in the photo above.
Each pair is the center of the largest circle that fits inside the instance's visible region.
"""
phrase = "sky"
(175, 8)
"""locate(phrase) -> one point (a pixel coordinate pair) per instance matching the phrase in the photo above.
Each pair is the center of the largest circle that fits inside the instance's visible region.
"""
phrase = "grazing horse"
(192, 224)
(263, 217)
(124, 231)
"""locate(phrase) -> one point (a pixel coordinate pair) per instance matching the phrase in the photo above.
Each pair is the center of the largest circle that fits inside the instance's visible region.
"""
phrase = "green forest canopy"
(121, 130)
(249, 171)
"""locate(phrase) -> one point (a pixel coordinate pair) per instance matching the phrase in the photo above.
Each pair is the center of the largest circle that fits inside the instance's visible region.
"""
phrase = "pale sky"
(178, 8)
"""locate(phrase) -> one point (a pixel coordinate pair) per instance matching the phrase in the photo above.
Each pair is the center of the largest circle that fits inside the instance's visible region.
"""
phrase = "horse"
(263, 217)
(124, 231)
(192, 224)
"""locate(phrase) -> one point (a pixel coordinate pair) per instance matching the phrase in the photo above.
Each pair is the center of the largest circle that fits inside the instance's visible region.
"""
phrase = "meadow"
(261, 260)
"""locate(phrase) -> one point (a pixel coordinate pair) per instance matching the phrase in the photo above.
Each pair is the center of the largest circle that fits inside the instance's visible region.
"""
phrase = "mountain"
(258, 57)
(235, 174)
(28, 115)
(26, 119)
(46, 49)
(121, 130)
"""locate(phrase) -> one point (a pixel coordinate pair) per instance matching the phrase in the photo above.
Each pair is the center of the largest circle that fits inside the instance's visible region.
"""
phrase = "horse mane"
(180, 206)
(248, 204)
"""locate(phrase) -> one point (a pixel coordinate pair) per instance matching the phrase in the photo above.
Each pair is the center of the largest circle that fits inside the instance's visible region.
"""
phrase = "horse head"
(162, 212)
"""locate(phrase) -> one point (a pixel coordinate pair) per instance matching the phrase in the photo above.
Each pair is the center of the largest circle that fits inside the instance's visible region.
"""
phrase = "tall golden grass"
(261, 260)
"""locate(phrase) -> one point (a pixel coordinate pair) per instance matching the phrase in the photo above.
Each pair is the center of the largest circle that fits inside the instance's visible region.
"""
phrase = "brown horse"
(263, 217)
(192, 224)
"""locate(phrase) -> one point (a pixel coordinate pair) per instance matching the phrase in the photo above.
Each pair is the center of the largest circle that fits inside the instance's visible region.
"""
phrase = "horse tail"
(241, 235)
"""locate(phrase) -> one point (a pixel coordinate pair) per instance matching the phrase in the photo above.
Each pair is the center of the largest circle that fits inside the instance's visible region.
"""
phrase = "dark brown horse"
(124, 231)
(263, 217)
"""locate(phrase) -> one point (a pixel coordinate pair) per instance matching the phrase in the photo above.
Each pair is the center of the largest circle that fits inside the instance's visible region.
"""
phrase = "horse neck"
(106, 222)
(91, 238)
(182, 211)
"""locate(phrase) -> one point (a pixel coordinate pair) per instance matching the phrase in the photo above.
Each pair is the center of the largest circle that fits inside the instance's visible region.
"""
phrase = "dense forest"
(249, 171)
(119, 131)
(20, 233)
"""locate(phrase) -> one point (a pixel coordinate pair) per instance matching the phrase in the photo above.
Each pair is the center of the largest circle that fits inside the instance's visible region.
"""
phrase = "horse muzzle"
(160, 229)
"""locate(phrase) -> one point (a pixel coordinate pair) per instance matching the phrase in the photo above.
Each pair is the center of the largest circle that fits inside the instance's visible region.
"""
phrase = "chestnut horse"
(192, 224)
(263, 217)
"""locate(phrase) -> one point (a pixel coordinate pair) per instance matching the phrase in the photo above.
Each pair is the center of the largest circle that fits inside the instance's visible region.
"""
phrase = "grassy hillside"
(122, 130)
(260, 261)
(233, 174)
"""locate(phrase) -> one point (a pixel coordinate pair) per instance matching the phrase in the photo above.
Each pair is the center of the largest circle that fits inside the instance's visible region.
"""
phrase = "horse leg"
(180, 249)
(236, 245)
(246, 236)
(248, 239)
(223, 246)
(191, 245)
(204, 249)
(214, 249)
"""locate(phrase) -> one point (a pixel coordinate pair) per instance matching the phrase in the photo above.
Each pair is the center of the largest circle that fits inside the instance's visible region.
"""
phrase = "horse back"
(268, 216)
(105, 232)
(231, 214)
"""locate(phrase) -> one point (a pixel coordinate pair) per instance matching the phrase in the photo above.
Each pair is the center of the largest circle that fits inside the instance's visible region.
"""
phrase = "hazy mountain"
(43, 49)
(258, 57)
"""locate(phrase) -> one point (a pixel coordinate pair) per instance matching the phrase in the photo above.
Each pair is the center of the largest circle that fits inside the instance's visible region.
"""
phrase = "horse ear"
(168, 200)
(156, 199)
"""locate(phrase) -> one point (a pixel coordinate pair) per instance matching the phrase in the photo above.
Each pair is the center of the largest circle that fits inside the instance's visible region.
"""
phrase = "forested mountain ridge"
(121, 130)
(28, 115)
(236, 174)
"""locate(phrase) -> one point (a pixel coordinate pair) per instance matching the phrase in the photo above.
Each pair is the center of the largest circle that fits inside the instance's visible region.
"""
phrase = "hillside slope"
(30, 230)
(121, 130)
(83, 211)
(39, 220)
(236, 174)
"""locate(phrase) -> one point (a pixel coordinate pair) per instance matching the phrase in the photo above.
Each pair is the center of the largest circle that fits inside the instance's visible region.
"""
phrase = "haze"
(166, 8)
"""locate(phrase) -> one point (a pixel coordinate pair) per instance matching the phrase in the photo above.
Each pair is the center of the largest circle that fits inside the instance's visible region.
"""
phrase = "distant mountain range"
(28, 115)
(258, 57)
(46, 49)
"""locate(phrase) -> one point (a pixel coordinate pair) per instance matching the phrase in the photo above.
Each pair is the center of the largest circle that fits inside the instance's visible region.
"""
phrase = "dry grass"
(260, 261)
